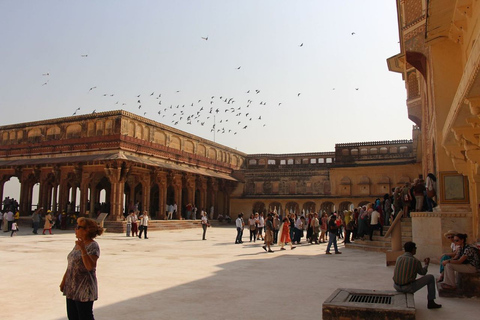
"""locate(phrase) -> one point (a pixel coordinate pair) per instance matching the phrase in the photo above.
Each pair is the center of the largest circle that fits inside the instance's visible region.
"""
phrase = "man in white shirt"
(299, 224)
(375, 223)
(239, 223)
(10, 218)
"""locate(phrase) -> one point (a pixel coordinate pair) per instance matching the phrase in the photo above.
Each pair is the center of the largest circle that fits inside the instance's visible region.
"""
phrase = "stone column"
(43, 192)
(27, 180)
(3, 179)
(213, 189)
(117, 173)
(146, 192)
(161, 180)
(84, 193)
(177, 186)
(190, 184)
(202, 185)
(63, 190)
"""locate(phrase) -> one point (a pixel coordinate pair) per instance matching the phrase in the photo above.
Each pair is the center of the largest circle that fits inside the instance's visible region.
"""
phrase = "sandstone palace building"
(133, 159)
(129, 159)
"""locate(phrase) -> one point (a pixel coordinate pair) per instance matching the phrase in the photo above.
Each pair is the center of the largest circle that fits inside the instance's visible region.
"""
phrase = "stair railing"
(396, 231)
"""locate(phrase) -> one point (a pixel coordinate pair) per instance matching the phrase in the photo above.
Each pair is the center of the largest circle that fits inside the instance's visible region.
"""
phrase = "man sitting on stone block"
(405, 275)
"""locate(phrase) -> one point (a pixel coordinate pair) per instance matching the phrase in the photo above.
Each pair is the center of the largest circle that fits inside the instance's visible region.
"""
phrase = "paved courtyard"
(175, 275)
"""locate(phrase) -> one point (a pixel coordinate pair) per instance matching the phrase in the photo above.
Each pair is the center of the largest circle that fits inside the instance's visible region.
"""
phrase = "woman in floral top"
(79, 282)
(467, 260)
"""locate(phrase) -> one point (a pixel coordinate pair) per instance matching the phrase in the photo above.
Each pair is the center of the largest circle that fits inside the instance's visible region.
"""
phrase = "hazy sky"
(335, 88)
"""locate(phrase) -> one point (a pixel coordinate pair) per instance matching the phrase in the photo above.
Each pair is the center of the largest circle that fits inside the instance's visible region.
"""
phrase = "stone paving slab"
(175, 275)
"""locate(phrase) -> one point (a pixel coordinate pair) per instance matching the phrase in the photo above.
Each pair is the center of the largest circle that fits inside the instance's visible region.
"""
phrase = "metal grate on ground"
(367, 298)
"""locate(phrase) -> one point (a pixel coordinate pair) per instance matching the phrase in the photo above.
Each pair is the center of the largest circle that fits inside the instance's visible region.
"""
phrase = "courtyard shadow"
(263, 288)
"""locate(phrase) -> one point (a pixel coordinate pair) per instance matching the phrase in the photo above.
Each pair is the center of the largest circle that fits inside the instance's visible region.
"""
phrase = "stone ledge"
(340, 306)
(468, 285)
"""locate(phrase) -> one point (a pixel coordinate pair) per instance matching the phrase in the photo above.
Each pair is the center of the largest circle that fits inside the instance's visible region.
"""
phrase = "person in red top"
(284, 234)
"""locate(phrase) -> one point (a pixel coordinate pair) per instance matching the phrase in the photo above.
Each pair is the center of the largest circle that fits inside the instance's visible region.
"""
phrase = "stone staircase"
(121, 226)
(381, 244)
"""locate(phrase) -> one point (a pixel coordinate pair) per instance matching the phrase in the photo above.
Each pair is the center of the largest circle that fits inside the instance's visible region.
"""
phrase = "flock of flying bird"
(222, 114)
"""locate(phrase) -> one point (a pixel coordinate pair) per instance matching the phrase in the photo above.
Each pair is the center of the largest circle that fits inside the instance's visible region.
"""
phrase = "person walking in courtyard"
(144, 225)
(14, 229)
(276, 227)
(315, 225)
(79, 284)
(284, 234)
(260, 226)
(332, 235)
(298, 234)
(252, 226)
(205, 224)
(129, 223)
(240, 224)
(323, 227)
(10, 217)
(48, 222)
(36, 220)
(405, 275)
(268, 233)
(134, 219)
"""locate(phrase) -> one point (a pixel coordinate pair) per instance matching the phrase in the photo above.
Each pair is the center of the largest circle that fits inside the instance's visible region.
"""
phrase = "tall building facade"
(439, 60)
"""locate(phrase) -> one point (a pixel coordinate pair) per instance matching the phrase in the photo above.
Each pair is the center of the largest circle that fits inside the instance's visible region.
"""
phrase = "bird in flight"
(205, 38)
(357, 89)
(353, 33)
(239, 67)
(45, 74)
(301, 45)
(298, 95)
(45, 83)
(84, 55)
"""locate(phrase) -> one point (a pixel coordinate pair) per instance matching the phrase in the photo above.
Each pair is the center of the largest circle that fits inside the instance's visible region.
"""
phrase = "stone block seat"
(368, 304)
(468, 285)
